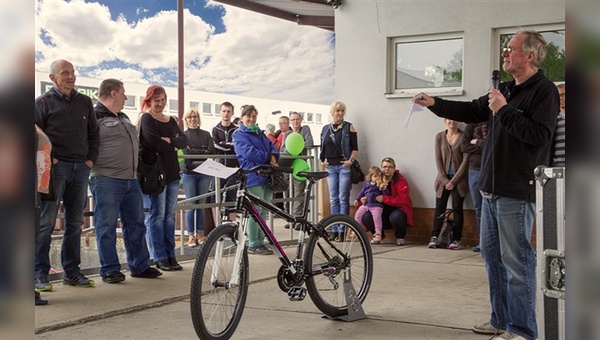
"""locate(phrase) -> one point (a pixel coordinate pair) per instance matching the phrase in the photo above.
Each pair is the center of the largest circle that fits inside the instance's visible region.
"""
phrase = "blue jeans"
(119, 197)
(70, 185)
(476, 196)
(194, 185)
(339, 183)
(160, 222)
(506, 227)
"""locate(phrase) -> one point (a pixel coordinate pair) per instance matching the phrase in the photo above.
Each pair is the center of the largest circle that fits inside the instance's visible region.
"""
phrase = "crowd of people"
(511, 130)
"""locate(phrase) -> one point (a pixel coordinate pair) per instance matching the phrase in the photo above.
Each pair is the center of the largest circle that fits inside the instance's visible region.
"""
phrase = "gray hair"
(270, 128)
(534, 42)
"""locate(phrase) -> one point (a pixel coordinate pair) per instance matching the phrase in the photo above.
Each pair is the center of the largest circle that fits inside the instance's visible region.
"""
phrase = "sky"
(227, 49)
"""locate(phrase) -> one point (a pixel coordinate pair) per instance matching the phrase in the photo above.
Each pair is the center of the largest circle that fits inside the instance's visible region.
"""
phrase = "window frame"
(173, 105)
(497, 49)
(392, 92)
(209, 112)
(132, 100)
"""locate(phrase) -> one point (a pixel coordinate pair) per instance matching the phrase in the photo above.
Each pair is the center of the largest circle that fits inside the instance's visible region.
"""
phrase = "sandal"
(191, 241)
(376, 239)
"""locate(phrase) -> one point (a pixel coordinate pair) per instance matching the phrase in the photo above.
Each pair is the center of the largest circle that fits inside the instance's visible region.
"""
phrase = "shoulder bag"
(151, 175)
(356, 173)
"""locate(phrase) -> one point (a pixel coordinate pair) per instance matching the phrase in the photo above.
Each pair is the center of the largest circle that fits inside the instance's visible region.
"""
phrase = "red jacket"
(400, 196)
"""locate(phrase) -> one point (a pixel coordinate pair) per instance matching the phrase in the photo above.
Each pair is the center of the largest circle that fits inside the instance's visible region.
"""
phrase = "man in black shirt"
(521, 118)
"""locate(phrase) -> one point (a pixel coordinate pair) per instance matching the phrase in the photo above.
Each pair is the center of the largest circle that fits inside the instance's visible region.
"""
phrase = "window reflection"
(429, 64)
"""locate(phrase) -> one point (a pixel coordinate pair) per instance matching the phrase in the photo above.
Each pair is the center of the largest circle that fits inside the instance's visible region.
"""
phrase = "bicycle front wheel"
(326, 267)
(216, 302)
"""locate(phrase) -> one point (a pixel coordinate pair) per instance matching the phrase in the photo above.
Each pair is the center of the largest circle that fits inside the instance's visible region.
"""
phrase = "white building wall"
(265, 107)
(362, 31)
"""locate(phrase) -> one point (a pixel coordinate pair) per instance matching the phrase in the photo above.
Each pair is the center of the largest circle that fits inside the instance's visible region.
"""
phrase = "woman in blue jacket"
(252, 147)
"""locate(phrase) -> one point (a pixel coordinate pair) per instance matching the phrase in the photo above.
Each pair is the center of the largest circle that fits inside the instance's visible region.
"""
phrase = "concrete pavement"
(416, 293)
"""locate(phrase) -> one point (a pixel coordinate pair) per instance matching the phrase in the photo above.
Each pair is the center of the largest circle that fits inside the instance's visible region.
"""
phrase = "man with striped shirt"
(558, 149)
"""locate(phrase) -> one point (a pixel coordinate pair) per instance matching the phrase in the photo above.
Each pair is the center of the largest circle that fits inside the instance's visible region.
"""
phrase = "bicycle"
(220, 277)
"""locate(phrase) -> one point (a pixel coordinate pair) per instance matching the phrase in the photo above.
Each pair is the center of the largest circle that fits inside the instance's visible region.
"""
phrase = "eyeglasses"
(190, 117)
(508, 50)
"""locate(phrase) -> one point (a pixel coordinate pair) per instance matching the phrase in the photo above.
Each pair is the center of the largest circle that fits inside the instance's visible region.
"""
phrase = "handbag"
(277, 182)
(356, 173)
(151, 176)
(445, 236)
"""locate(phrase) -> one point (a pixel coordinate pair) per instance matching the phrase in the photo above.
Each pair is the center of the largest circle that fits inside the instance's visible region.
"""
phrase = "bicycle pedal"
(297, 293)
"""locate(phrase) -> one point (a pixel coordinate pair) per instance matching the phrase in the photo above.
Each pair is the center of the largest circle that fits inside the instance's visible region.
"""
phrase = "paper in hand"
(414, 108)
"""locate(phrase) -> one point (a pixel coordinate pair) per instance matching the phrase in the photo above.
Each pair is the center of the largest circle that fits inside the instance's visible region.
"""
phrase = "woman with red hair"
(161, 136)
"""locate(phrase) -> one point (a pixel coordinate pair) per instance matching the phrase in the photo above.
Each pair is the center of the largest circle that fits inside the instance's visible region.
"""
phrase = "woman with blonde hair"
(339, 148)
(194, 184)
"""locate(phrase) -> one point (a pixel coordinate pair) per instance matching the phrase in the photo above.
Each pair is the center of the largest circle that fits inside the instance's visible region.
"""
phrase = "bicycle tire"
(216, 310)
(327, 297)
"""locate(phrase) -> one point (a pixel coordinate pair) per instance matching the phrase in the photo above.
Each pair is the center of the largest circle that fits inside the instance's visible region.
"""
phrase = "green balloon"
(300, 165)
(179, 153)
(294, 143)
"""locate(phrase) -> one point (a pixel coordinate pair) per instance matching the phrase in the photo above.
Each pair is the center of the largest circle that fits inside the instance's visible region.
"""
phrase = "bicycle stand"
(355, 310)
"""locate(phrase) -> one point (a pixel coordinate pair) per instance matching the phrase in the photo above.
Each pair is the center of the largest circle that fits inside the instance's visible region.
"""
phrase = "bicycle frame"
(247, 204)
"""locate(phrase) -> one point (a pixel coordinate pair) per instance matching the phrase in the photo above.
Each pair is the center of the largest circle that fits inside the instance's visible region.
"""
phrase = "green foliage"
(554, 64)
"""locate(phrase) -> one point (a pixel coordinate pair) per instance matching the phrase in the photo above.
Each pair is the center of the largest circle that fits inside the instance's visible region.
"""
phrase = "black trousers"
(392, 218)
(457, 213)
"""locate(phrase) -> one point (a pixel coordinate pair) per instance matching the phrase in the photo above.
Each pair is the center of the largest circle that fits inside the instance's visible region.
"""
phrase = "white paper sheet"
(414, 108)
(212, 168)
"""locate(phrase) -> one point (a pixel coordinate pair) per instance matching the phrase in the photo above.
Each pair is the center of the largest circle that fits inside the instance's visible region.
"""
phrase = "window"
(195, 105)
(206, 109)
(217, 109)
(173, 105)
(309, 117)
(318, 119)
(432, 64)
(130, 102)
(554, 63)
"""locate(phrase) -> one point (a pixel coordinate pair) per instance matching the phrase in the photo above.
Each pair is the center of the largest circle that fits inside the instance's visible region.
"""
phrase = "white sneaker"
(487, 328)
(400, 242)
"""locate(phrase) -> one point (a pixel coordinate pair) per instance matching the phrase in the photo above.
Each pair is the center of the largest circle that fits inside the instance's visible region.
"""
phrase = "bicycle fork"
(219, 250)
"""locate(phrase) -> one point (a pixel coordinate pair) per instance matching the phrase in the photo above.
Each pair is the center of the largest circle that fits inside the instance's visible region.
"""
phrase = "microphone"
(495, 79)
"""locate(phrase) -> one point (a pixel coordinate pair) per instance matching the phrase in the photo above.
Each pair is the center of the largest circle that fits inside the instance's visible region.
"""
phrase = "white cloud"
(141, 10)
(256, 56)
(126, 75)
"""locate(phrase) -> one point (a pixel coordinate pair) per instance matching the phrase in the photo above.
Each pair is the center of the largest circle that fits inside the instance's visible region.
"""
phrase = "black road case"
(550, 239)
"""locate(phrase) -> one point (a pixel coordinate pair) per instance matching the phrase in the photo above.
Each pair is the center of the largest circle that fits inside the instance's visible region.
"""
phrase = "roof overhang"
(318, 13)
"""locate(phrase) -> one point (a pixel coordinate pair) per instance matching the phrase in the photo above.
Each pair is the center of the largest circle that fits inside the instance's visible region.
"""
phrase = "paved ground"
(416, 293)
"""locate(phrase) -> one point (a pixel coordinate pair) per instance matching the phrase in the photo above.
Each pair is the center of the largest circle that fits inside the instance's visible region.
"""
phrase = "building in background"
(207, 103)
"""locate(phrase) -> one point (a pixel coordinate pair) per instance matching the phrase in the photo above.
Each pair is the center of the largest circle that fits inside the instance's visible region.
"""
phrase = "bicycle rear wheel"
(216, 303)
(326, 267)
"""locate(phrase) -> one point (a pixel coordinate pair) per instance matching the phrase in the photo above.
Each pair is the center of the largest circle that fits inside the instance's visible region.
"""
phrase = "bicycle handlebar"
(267, 168)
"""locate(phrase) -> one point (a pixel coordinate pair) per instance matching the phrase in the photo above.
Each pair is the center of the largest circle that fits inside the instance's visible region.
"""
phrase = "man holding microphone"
(521, 116)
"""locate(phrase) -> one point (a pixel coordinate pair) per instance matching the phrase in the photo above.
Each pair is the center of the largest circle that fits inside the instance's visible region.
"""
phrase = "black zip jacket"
(70, 125)
(519, 135)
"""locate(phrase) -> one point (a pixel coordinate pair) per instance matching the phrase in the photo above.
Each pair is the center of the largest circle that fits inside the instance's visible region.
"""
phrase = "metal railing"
(217, 195)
